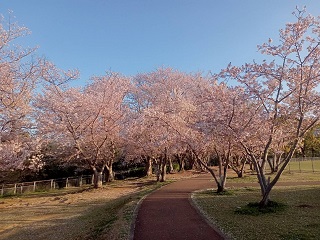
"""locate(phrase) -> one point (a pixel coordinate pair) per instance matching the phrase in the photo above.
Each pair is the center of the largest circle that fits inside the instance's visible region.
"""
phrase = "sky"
(136, 36)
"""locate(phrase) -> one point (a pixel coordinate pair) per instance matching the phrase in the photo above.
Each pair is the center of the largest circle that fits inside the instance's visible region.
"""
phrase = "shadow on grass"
(254, 209)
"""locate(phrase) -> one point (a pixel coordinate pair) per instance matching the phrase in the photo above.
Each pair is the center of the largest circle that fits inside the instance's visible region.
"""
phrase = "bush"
(133, 172)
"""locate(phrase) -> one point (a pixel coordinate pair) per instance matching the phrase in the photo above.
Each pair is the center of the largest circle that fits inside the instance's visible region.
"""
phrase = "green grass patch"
(285, 177)
(247, 178)
(297, 217)
(214, 192)
(254, 208)
(307, 165)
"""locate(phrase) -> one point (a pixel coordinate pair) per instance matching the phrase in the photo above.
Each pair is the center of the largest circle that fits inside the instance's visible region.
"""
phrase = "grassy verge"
(300, 219)
(113, 220)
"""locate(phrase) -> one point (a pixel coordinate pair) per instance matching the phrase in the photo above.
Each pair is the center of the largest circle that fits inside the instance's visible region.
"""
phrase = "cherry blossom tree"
(160, 99)
(89, 119)
(283, 95)
(18, 74)
(214, 111)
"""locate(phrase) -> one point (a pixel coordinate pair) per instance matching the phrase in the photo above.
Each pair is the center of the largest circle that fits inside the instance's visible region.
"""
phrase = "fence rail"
(302, 159)
(303, 164)
(45, 185)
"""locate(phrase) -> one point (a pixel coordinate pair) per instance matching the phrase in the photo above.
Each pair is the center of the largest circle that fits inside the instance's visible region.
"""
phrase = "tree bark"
(220, 184)
(164, 166)
(181, 164)
(109, 174)
(148, 167)
(171, 170)
(265, 198)
(97, 178)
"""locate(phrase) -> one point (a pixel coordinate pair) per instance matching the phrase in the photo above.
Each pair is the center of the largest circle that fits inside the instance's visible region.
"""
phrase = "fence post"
(300, 165)
(51, 184)
(21, 188)
(34, 186)
(67, 182)
(15, 189)
(289, 167)
(2, 190)
(80, 181)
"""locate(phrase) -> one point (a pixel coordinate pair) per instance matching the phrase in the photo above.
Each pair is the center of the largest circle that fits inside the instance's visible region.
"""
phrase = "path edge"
(136, 211)
(135, 216)
(203, 214)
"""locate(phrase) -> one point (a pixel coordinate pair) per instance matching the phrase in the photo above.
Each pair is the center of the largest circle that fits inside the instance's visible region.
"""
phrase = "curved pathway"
(168, 213)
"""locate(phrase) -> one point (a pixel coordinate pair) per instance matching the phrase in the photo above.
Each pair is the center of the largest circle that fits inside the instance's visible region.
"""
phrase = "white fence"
(45, 185)
(301, 159)
(304, 164)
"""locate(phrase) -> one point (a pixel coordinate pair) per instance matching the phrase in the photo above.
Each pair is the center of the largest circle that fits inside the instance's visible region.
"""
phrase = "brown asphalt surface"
(168, 213)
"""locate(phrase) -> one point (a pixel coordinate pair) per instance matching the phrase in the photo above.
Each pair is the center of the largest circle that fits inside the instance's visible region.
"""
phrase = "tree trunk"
(148, 168)
(220, 184)
(271, 163)
(223, 180)
(220, 188)
(164, 166)
(158, 173)
(181, 164)
(192, 161)
(240, 172)
(181, 161)
(109, 173)
(265, 198)
(163, 172)
(97, 178)
(158, 169)
(251, 166)
(171, 170)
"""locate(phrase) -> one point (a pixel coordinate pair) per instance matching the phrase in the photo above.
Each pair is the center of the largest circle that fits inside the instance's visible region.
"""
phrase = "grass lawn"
(292, 176)
(74, 214)
(80, 213)
(299, 220)
(107, 213)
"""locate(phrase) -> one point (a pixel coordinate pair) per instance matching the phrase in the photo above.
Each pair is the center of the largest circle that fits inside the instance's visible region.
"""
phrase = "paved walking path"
(167, 214)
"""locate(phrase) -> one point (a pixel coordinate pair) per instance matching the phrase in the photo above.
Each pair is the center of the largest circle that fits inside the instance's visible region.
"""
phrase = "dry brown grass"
(87, 214)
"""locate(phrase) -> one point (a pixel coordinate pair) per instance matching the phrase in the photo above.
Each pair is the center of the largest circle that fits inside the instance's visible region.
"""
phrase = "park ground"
(104, 213)
(107, 213)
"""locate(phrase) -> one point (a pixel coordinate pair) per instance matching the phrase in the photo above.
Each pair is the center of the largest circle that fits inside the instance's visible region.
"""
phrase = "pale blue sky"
(132, 36)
